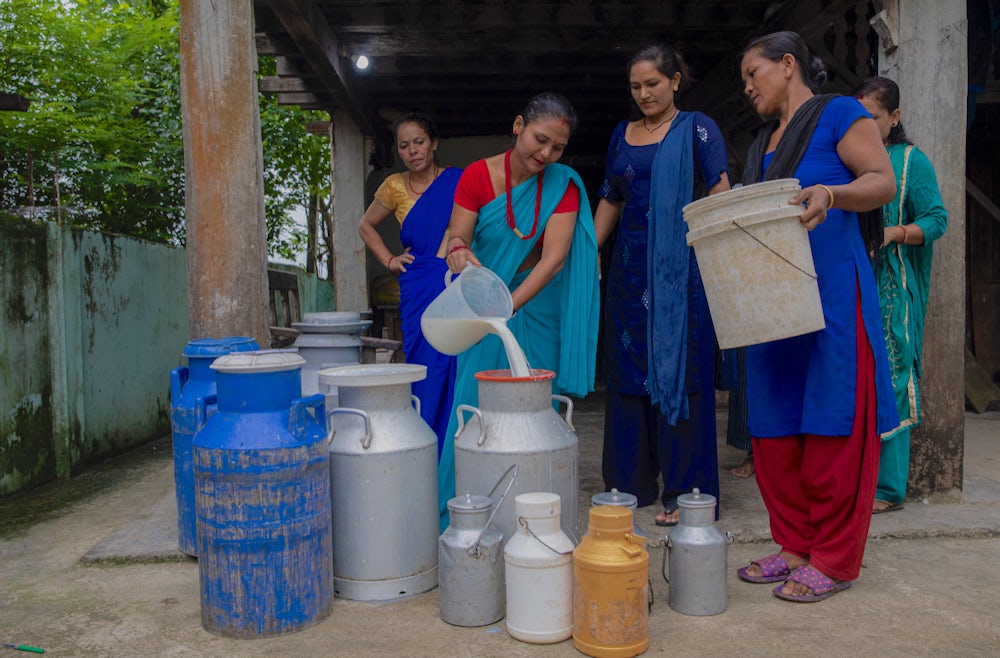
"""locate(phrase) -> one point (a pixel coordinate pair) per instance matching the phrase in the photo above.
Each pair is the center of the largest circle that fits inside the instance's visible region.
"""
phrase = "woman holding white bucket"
(817, 402)
(527, 218)
(421, 199)
(660, 410)
(913, 221)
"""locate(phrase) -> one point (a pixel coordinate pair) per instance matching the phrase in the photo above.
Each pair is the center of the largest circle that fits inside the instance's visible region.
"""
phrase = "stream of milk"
(453, 336)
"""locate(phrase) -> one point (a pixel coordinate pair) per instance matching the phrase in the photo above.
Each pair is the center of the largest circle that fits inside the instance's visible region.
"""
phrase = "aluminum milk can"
(470, 564)
(383, 484)
(698, 558)
(516, 424)
(611, 586)
(539, 572)
(615, 498)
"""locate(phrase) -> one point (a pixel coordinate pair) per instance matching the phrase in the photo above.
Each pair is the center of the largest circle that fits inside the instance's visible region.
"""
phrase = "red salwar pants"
(819, 490)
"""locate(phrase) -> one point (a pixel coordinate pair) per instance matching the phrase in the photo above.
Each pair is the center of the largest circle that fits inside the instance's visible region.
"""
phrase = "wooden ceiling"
(473, 65)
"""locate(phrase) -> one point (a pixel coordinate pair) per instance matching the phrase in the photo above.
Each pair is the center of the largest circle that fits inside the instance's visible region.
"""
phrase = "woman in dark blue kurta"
(660, 343)
(818, 401)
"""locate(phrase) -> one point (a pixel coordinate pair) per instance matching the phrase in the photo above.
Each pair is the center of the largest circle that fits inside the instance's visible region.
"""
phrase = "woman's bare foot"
(664, 519)
(744, 470)
(793, 562)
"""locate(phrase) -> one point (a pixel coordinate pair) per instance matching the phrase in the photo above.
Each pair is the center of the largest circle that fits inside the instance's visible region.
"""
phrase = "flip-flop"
(893, 507)
(773, 568)
(821, 585)
(667, 511)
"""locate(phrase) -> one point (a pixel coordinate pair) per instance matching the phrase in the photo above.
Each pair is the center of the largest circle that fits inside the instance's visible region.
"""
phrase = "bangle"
(905, 234)
(458, 248)
(828, 191)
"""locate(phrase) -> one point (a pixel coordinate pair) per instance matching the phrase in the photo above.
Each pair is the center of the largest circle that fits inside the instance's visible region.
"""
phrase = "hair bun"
(817, 70)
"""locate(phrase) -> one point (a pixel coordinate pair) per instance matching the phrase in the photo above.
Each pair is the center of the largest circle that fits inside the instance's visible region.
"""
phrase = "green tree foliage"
(101, 144)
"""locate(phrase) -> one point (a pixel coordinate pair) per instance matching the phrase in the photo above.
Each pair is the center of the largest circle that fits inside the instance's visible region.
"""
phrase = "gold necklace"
(677, 111)
(410, 185)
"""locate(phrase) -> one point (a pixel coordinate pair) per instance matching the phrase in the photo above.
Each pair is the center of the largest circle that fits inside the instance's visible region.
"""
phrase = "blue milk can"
(262, 500)
(188, 385)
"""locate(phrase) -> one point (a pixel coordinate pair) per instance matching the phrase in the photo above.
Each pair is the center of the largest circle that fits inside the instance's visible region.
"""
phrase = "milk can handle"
(667, 545)
(474, 549)
(366, 440)
(416, 402)
(449, 276)
(524, 522)
(202, 408)
(297, 418)
(461, 422)
(569, 409)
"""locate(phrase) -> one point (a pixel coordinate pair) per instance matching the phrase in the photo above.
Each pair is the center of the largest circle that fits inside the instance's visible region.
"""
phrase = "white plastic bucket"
(453, 322)
(756, 263)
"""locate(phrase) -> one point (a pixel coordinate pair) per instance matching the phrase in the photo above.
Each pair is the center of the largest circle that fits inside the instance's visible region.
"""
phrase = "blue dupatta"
(419, 285)
(557, 328)
(668, 255)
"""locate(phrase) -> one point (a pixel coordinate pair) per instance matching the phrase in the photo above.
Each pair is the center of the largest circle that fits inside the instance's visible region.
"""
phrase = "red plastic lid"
(506, 375)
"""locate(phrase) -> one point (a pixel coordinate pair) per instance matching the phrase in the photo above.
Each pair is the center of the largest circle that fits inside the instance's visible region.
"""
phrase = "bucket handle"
(811, 275)
(667, 544)
(569, 409)
(461, 422)
(366, 440)
(416, 402)
(474, 549)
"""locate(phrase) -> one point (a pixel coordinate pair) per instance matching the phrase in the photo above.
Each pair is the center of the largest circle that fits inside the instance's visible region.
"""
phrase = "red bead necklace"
(510, 205)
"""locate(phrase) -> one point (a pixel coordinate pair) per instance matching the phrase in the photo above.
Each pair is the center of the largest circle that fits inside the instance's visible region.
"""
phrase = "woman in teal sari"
(527, 219)
(913, 220)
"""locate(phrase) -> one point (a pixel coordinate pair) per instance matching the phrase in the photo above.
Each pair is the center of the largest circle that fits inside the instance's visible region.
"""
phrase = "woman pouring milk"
(527, 219)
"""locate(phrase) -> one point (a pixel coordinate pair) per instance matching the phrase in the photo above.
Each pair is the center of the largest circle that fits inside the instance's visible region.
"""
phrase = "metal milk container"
(188, 386)
(516, 424)
(470, 564)
(262, 498)
(470, 560)
(539, 572)
(698, 552)
(611, 586)
(383, 484)
(615, 498)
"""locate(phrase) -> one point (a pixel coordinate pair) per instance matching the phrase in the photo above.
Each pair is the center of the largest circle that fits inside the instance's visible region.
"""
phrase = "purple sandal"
(821, 585)
(773, 568)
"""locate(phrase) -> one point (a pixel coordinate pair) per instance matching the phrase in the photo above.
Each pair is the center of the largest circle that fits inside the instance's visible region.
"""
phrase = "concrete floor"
(89, 567)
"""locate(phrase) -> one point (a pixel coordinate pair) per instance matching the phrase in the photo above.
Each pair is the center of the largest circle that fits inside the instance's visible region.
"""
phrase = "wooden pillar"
(224, 188)
(348, 262)
(931, 67)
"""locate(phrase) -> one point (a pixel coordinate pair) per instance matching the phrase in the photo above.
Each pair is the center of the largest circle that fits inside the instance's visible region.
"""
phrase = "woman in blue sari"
(422, 196)
(660, 411)
(526, 218)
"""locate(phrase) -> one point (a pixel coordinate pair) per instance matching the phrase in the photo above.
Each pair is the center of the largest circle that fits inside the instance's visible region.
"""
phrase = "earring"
(675, 87)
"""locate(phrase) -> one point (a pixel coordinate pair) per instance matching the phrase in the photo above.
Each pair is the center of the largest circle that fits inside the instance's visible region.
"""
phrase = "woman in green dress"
(913, 221)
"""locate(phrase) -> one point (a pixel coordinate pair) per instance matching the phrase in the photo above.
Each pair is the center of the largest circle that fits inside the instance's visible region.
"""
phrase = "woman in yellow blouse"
(421, 199)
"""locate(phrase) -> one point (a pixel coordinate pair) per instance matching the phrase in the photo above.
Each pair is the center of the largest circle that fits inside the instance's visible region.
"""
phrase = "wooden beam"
(980, 197)
(275, 85)
(319, 46)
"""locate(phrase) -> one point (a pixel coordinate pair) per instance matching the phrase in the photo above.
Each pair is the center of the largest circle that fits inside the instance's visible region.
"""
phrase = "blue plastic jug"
(262, 501)
(188, 385)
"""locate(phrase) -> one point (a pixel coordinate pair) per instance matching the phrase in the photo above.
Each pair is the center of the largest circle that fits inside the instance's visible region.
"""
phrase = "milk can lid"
(696, 500)
(214, 347)
(538, 505)
(614, 498)
(262, 361)
(373, 374)
(470, 503)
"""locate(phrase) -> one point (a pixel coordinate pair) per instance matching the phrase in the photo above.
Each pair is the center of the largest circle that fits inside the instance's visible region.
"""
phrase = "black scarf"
(788, 154)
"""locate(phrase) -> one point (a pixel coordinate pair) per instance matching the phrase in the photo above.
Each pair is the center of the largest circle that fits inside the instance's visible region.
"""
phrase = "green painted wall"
(90, 326)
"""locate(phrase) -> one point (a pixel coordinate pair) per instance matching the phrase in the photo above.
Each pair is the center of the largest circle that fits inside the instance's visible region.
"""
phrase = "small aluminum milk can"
(698, 552)
(470, 560)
